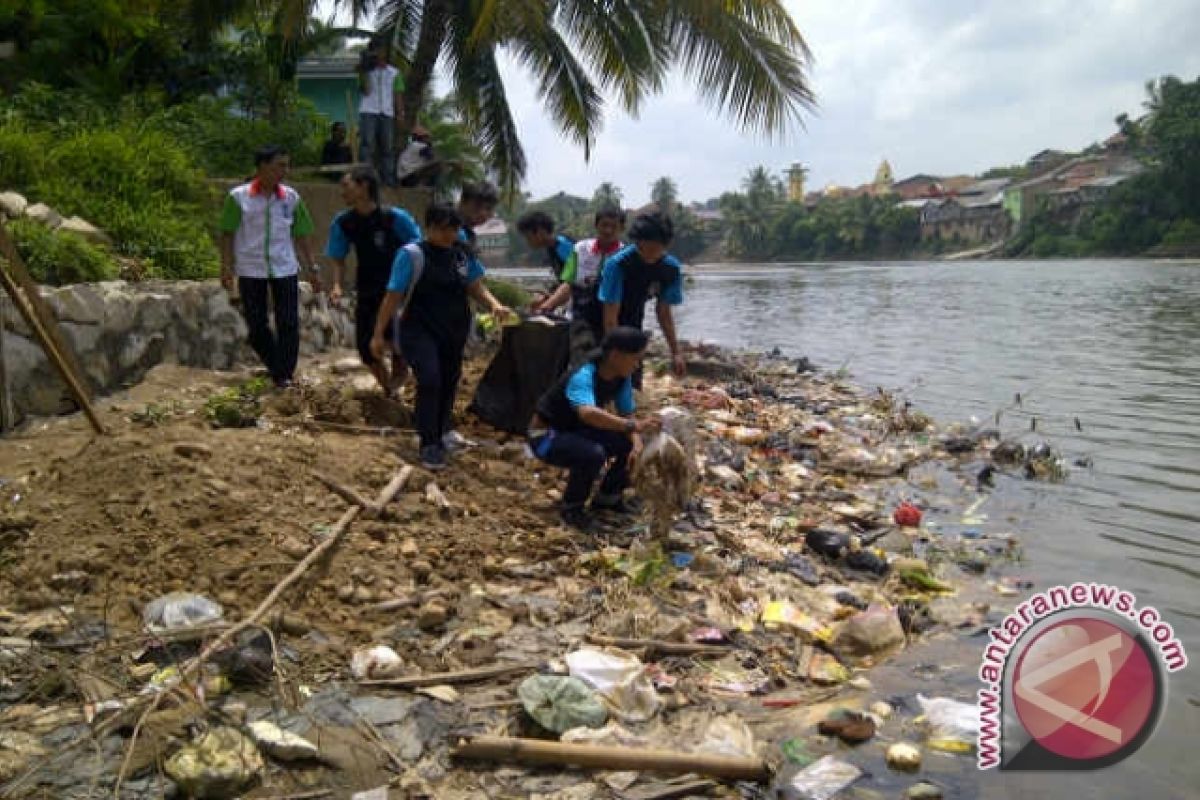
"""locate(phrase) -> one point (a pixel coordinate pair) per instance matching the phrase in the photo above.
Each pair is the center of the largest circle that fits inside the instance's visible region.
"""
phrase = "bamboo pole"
(652, 646)
(536, 751)
(52, 346)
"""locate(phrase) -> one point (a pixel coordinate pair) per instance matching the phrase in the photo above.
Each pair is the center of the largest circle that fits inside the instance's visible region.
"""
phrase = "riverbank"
(760, 617)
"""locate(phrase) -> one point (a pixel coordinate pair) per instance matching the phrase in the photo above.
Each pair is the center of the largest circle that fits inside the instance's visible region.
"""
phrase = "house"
(1070, 184)
(1044, 161)
(918, 186)
(491, 239)
(331, 84)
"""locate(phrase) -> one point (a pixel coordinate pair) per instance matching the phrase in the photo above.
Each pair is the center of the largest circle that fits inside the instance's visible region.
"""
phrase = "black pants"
(280, 350)
(437, 364)
(366, 313)
(584, 452)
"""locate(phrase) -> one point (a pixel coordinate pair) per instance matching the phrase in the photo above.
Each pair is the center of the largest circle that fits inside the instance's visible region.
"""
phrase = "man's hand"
(378, 346)
(636, 452)
(648, 425)
(335, 293)
(502, 313)
(678, 365)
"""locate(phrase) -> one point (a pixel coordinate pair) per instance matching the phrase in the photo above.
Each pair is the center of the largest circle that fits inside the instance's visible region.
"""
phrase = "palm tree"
(459, 154)
(607, 194)
(746, 57)
(665, 194)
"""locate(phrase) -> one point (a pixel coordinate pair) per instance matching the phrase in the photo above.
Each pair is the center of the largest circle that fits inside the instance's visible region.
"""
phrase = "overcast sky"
(936, 86)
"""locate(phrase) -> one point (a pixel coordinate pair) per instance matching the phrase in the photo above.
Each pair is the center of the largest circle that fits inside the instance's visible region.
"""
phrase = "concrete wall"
(120, 330)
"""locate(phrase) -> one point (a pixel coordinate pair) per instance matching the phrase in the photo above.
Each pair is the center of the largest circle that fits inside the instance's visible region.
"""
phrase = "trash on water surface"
(821, 780)
(953, 725)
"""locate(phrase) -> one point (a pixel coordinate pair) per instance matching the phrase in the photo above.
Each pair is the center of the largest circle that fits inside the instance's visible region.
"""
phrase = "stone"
(903, 756)
(409, 547)
(193, 450)
(12, 204)
(73, 581)
(432, 615)
(871, 632)
(849, 727)
(347, 366)
(923, 791)
(40, 212)
(280, 744)
(726, 476)
(80, 227)
(881, 709)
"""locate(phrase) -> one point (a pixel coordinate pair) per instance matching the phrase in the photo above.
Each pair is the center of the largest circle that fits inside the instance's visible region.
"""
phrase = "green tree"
(665, 195)
(746, 58)
(607, 194)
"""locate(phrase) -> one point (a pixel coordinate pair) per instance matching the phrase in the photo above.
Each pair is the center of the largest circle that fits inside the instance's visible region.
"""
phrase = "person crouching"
(573, 429)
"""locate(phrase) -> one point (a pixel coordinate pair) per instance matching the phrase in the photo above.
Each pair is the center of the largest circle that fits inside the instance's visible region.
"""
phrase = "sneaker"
(455, 441)
(618, 504)
(579, 519)
(433, 457)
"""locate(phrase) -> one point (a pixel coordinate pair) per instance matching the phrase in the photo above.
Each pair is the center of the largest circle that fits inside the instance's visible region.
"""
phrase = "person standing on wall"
(264, 240)
(380, 111)
(376, 233)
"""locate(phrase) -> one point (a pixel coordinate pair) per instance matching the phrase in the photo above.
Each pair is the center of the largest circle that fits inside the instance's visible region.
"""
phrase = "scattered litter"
(280, 744)
(218, 765)
(560, 703)
(376, 662)
(820, 780)
(953, 725)
(619, 678)
(179, 611)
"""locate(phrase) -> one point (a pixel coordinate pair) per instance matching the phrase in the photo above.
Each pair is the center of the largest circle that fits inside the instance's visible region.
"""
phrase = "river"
(1112, 344)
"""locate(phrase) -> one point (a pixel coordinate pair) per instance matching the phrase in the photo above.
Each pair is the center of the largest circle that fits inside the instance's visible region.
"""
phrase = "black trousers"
(584, 452)
(366, 313)
(278, 350)
(436, 362)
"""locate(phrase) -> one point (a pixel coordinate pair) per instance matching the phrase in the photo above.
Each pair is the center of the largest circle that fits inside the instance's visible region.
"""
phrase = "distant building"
(882, 185)
(1072, 183)
(974, 214)
(331, 83)
(491, 238)
(795, 187)
(918, 186)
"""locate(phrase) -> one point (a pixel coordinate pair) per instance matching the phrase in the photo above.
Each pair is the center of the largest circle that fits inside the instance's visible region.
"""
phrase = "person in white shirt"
(380, 111)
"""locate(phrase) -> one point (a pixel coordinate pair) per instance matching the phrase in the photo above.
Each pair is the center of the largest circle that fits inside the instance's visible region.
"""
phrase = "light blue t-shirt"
(402, 270)
(581, 391)
(612, 278)
(403, 224)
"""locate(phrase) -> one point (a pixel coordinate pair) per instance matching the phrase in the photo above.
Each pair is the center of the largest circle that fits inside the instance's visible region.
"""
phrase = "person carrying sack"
(430, 285)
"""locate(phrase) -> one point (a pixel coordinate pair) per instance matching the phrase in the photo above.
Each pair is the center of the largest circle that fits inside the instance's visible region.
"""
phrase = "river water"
(1112, 344)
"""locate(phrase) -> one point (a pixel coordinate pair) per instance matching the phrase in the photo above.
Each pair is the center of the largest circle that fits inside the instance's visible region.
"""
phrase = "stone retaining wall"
(120, 330)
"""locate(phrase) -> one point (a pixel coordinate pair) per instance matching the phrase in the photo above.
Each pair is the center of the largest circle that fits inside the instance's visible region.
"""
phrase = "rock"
(904, 756)
(849, 727)
(12, 204)
(345, 593)
(876, 630)
(432, 615)
(220, 764)
(40, 212)
(193, 450)
(85, 230)
(347, 366)
(294, 548)
(881, 709)
(363, 595)
(409, 547)
(421, 568)
(923, 791)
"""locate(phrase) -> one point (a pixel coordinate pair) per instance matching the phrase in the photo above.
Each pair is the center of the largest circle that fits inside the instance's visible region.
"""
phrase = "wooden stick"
(225, 639)
(50, 344)
(660, 647)
(341, 427)
(536, 751)
(345, 492)
(461, 676)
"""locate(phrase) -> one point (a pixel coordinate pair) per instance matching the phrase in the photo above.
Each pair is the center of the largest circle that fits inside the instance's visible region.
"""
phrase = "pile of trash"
(798, 533)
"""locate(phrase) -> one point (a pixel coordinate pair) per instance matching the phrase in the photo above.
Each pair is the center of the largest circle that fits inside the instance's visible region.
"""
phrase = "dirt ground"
(94, 528)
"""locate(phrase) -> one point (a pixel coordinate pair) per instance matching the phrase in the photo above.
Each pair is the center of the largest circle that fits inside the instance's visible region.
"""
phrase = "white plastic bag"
(375, 662)
(953, 725)
(620, 679)
(179, 611)
(820, 780)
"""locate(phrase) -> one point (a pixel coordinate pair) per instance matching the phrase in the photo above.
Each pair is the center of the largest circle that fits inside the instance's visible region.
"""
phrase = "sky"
(934, 86)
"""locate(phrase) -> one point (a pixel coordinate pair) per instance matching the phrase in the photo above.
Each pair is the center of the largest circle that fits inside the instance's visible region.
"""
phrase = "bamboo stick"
(537, 751)
(49, 342)
(461, 676)
(660, 647)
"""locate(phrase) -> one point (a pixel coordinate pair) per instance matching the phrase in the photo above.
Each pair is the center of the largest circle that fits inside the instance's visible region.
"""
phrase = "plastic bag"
(818, 781)
(531, 358)
(619, 678)
(280, 744)
(953, 725)
(380, 661)
(180, 611)
(219, 764)
(559, 703)
(665, 480)
(727, 735)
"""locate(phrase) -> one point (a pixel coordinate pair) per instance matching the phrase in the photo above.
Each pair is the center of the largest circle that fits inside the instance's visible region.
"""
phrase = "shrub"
(22, 156)
(60, 258)
(510, 294)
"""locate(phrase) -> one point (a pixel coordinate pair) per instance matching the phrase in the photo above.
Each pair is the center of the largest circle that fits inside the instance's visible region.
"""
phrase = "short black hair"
(624, 339)
(656, 227)
(483, 192)
(365, 173)
(532, 221)
(268, 153)
(336, 125)
(443, 215)
(611, 212)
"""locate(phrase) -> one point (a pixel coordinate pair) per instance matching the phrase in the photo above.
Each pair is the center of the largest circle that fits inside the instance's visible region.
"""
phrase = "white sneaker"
(453, 441)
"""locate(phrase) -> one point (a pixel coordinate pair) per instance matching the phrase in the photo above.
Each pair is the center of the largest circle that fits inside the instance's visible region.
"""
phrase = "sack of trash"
(179, 611)
(665, 479)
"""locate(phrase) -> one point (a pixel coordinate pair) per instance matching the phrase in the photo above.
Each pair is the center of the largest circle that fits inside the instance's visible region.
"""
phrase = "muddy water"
(1114, 345)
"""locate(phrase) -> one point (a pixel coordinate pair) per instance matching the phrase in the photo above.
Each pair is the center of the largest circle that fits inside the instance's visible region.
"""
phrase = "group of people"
(414, 285)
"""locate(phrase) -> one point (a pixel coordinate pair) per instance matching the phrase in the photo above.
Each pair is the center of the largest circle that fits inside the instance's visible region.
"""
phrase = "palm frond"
(572, 99)
(495, 20)
(399, 21)
(735, 55)
(614, 38)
